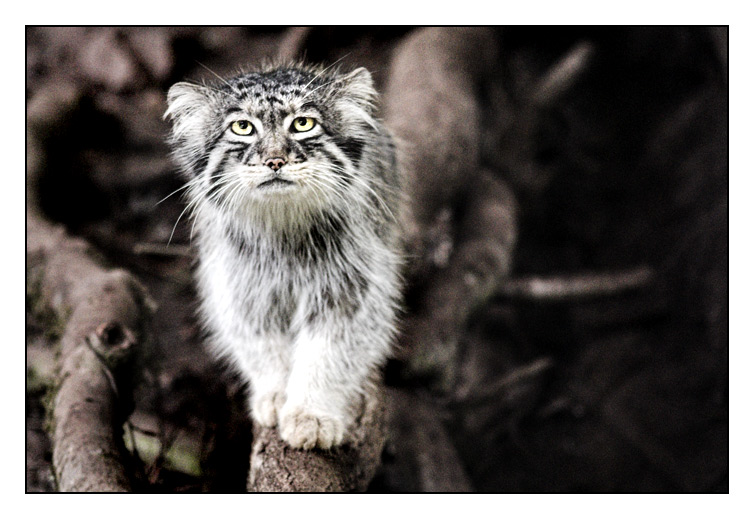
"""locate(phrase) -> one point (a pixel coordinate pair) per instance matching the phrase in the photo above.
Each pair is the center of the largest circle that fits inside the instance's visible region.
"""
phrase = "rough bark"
(276, 467)
(104, 312)
(101, 315)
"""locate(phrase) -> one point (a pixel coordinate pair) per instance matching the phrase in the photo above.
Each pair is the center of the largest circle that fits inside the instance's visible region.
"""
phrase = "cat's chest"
(280, 286)
(261, 294)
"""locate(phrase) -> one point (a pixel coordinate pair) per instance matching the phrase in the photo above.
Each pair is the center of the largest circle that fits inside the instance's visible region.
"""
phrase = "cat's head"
(288, 135)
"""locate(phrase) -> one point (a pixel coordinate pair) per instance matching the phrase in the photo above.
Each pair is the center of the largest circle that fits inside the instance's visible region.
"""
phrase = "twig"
(576, 287)
(159, 249)
(562, 76)
(420, 441)
(507, 387)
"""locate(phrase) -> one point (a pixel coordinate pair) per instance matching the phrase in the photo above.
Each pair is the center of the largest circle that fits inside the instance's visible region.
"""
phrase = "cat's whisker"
(185, 186)
(312, 91)
(218, 76)
(176, 224)
(188, 185)
(363, 183)
(329, 67)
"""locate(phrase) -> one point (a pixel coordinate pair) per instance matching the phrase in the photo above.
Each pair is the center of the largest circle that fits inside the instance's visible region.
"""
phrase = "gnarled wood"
(104, 312)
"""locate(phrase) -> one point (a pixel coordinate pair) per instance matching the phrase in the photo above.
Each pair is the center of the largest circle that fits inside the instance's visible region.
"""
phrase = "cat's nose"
(275, 163)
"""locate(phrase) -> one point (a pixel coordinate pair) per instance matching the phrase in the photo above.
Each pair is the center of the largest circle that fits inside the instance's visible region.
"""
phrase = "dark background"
(620, 392)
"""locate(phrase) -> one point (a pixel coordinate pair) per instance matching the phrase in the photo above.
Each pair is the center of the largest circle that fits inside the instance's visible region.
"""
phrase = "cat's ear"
(359, 85)
(357, 98)
(183, 96)
(190, 109)
(188, 105)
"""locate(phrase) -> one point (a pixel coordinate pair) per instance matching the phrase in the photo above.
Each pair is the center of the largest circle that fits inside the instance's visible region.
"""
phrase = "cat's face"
(286, 136)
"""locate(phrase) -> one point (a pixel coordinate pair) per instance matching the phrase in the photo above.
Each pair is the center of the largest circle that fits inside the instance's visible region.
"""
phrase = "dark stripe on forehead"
(310, 105)
(233, 110)
(288, 80)
(272, 99)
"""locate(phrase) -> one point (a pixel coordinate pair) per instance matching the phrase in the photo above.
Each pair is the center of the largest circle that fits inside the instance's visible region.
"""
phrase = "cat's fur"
(298, 281)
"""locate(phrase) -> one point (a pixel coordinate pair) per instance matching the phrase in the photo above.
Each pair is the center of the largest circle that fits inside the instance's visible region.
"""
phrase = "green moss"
(48, 401)
(52, 322)
(36, 382)
(181, 457)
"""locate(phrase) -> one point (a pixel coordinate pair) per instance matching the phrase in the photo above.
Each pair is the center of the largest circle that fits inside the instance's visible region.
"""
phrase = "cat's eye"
(303, 124)
(242, 127)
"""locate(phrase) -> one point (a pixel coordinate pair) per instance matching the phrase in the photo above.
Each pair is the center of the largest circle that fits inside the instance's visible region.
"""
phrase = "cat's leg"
(328, 378)
(265, 363)
(267, 400)
(319, 389)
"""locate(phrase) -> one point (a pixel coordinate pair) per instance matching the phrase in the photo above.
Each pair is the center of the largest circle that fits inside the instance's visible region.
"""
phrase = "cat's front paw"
(265, 408)
(303, 428)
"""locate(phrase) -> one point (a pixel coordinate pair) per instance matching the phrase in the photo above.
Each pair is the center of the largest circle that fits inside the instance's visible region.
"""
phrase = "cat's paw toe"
(304, 429)
(264, 408)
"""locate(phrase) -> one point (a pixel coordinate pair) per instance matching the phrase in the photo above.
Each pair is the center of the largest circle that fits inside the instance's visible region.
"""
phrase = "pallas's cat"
(293, 185)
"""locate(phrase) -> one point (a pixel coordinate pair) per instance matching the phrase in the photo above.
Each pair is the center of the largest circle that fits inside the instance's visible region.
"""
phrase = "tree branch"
(102, 317)
(420, 441)
(577, 286)
(277, 467)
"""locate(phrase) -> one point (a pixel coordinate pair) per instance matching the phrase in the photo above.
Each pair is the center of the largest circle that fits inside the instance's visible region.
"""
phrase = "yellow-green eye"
(242, 127)
(303, 124)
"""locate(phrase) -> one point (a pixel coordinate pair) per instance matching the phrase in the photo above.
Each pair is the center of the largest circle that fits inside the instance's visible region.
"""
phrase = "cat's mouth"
(276, 182)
